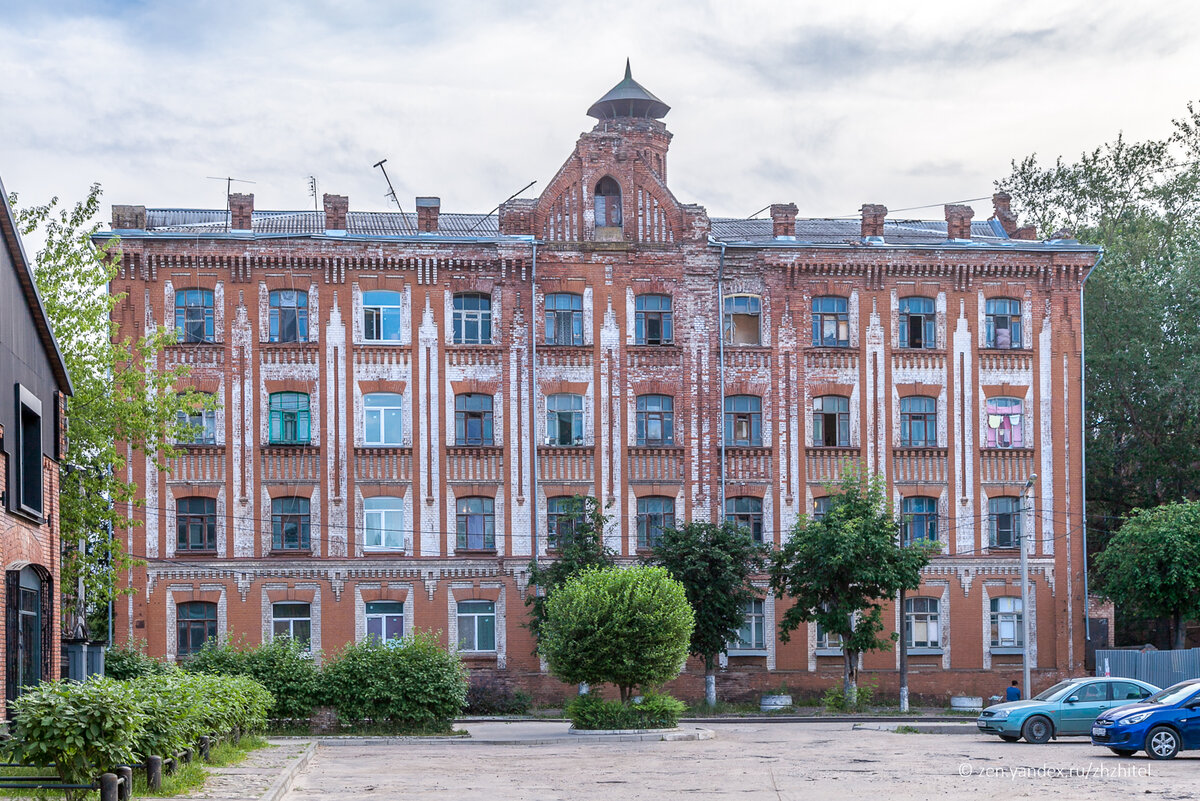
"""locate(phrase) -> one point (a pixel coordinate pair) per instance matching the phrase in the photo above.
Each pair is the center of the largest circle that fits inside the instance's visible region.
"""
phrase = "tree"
(841, 568)
(624, 626)
(121, 399)
(1141, 202)
(579, 544)
(714, 564)
(1152, 565)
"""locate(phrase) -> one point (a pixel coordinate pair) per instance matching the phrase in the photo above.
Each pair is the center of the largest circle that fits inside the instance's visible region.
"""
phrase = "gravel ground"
(782, 761)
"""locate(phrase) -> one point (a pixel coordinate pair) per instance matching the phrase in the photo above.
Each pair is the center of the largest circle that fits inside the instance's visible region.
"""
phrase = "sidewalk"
(264, 775)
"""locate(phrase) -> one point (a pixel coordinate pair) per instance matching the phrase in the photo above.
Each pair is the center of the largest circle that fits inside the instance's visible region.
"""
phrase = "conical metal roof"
(628, 99)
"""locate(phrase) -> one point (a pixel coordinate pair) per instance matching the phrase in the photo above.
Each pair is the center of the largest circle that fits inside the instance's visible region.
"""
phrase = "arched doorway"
(28, 628)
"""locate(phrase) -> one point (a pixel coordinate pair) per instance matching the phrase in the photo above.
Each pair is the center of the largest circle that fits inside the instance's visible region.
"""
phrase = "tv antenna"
(479, 222)
(312, 190)
(228, 188)
(392, 194)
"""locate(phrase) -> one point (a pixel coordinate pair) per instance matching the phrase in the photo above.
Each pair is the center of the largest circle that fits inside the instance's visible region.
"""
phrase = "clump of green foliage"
(651, 711)
(281, 665)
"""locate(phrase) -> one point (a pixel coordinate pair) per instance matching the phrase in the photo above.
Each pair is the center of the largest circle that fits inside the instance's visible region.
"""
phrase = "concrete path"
(264, 775)
(542, 732)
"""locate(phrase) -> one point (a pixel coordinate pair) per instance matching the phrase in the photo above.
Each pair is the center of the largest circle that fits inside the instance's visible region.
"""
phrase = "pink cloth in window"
(1005, 426)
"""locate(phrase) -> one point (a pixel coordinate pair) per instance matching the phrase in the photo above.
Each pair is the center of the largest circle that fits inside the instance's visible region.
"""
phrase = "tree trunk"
(1180, 632)
(903, 658)
(849, 686)
(710, 682)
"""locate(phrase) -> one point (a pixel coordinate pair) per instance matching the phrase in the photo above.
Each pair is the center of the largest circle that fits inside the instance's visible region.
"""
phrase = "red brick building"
(407, 401)
(33, 389)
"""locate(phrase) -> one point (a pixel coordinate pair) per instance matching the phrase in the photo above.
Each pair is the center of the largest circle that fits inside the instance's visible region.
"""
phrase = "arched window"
(918, 323)
(655, 420)
(1004, 522)
(382, 316)
(746, 512)
(564, 419)
(608, 203)
(918, 422)
(654, 513)
(196, 524)
(383, 419)
(564, 319)
(831, 323)
(653, 321)
(473, 419)
(472, 319)
(919, 523)
(1003, 323)
(743, 420)
(1006, 622)
(290, 423)
(384, 518)
(194, 315)
(831, 422)
(742, 320)
(290, 523)
(1005, 423)
(195, 624)
(921, 627)
(476, 524)
(289, 315)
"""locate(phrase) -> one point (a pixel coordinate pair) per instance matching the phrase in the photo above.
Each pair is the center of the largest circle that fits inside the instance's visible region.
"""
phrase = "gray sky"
(824, 104)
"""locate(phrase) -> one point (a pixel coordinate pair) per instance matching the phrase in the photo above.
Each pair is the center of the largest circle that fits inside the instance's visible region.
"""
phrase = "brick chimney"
(428, 209)
(241, 212)
(336, 208)
(516, 217)
(958, 222)
(126, 218)
(783, 219)
(873, 216)
(1002, 212)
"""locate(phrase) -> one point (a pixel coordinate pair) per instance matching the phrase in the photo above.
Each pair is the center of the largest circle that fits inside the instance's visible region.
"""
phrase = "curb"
(283, 782)
(670, 736)
(927, 728)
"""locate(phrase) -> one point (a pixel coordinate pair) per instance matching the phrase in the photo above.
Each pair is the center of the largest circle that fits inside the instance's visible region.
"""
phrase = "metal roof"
(358, 223)
(628, 99)
(831, 231)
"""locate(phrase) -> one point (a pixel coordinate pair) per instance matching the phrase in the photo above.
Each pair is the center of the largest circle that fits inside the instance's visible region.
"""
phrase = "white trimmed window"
(384, 523)
(385, 620)
(476, 626)
(1006, 622)
(921, 627)
(294, 620)
(752, 634)
(382, 318)
(383, 419)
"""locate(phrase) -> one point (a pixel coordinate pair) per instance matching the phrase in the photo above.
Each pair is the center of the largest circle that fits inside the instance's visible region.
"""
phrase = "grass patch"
(906, 730)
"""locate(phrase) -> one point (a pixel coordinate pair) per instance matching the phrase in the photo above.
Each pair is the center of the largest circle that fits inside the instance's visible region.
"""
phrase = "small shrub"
(487, 696)
(834, 698)
(281, 666)
(130, 661)
(653, 711)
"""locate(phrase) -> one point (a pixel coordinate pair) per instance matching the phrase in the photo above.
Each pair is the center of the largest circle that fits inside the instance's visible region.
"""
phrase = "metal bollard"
(108, 787)
(204, 746)
(154, 768)
(125, 790)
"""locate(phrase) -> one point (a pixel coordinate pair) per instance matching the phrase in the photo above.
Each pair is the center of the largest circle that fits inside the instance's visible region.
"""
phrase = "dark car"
(1162, 725)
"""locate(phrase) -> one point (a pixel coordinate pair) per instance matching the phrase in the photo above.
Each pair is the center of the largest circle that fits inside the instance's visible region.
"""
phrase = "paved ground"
(781, 761)
(256, 777)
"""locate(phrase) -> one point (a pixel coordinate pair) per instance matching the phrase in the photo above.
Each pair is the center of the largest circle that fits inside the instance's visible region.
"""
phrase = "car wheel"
(1037, 730)
(1162, 743)
(1010, 738)
(1122, 752)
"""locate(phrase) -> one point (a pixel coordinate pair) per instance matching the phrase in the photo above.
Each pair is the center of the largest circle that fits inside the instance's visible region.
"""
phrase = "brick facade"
(552, 245)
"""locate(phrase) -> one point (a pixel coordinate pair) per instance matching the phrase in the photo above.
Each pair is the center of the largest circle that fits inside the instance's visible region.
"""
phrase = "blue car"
(1162, 725)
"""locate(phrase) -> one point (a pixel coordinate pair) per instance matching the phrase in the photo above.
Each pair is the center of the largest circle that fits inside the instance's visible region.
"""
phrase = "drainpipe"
(533, 513)
(1087, 621)
(721, 374)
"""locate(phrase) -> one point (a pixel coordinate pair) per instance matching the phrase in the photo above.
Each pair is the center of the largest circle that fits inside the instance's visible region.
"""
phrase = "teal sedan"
(1067, 708)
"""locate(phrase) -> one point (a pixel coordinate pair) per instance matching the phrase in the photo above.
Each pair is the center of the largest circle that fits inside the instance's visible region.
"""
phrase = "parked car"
(1067, 708)
(1162, 725)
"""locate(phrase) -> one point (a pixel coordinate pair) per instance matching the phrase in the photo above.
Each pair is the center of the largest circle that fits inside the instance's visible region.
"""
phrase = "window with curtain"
(831, 322)
(564, 319)
(752, 634)
(1005, 423)
(1006, 622)
(292, 620)
(1003, 323)
(919, 521)
(476, 524)
(921, 627)
(385, 620)
(564, 419)
(476, 626)
(384, 523)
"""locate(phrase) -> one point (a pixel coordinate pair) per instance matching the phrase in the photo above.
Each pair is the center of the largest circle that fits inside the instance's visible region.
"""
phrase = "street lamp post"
(1025, 688)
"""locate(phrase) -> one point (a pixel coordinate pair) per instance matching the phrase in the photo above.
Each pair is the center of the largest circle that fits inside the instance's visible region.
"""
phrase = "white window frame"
(386, 518)
(469, 621)
(754, 622)
(369, 411)
(931, 620)
(291, 622)
(379, 308)
(382, 617)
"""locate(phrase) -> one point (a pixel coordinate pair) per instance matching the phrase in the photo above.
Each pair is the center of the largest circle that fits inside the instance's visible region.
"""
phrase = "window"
(472, 319)
(476, 524)
(1003, 323)
(831, 422)
(608, 203)
(196, 524)
(290, 522)
(194, 315)
(564, 420)
(741, 322)
(476, 626)
(918, 422)
(653, 515)
(381, 316)
(473, 419)
(195, 624)
(752, 636)
(1128, 691)
(292, 620)
(563, 513)
(1006, 622)
(289, 419)
(383, 418)
(1004, 519)
(289, 316)
(385, 620)
(653, 322)
(28, 474)
(747, 513)
(655, 420)
(743, 420)
(384, 518)
(821, 507)
(920, 520)
(831, 323)
(828, 641)
(201, 427)
(921, 628)
(564, 319)
(918, 323)
(1005, 423)
(29, 625)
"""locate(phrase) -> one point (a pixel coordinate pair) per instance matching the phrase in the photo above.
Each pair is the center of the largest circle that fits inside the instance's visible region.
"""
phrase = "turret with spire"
(628, 99)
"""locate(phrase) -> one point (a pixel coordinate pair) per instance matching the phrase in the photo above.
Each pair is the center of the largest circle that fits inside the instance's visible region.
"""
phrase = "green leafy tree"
(841, 569)
(627, 627)
(121, 398)
(1141, 202)
(714, 564)
(578, 544)
(1152, 565)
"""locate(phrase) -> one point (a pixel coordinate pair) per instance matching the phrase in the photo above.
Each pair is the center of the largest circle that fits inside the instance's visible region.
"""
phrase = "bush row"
(85, 729)
(652, 711)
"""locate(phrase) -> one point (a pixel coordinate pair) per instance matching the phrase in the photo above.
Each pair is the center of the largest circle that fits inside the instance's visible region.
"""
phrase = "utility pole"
(1025, 688)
